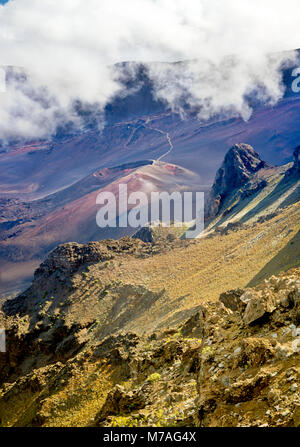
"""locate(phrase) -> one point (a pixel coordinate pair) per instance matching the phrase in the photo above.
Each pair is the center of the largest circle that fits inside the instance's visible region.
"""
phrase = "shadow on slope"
(285, 259)
(283, 187)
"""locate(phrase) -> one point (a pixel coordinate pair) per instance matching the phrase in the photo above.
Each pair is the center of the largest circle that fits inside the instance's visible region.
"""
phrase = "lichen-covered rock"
(120, 401)
(214, 369)
(255, 352)
(244, 390)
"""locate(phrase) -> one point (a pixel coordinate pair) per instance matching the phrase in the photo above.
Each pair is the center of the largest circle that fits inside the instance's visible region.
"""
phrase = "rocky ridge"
(234, 362)
(131, 332)
(240, 164)
(247, 188)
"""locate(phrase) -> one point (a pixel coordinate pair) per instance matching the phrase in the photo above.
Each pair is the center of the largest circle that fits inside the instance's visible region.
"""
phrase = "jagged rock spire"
(241, 162)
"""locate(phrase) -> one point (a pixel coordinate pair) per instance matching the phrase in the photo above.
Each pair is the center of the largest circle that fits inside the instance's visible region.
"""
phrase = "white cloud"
(222, 88)
(69, 45)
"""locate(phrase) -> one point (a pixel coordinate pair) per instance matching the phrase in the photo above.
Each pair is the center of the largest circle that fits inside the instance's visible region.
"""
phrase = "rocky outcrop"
(230, 362)
(120, 401)
(145, 234)
(247, 366)
(68, 257)
(63, 262)
(158, 234)
(297, 159)
(240, 164)
(257, 307)
(232, 299)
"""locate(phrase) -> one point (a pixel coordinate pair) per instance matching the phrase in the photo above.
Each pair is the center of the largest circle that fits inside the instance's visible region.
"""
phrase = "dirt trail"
(168, 139)
(155, 129)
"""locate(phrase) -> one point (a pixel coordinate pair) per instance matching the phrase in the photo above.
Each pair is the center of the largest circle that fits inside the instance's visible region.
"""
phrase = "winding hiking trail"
(169, 150)
(155, 129)
(168, 139)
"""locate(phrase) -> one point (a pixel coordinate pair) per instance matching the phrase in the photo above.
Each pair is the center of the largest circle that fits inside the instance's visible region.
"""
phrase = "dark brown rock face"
(240, 164)
(231, 299)
(64, 261)
(70, 256)
(145, 234)
(120, 401)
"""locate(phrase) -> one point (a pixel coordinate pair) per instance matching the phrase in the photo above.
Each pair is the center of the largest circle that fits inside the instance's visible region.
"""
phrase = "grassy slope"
(189, 275)
(207, 267)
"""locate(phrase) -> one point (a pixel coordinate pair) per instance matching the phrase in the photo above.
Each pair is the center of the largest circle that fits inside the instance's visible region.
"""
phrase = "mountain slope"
(136, 127)
(247, 189)
(70, 214)
(106, 328)
(46, 181)
(243, 349)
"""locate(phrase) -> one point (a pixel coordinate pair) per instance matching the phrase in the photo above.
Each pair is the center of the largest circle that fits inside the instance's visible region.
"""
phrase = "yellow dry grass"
(210, 266)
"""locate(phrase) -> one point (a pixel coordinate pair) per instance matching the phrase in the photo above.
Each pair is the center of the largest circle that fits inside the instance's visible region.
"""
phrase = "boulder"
(232, 300)
(120, 401)
(255, 352)
(248, 389)
(258, 306)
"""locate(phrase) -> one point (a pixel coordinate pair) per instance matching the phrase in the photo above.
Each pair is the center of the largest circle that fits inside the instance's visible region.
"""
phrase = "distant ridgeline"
(143, 100)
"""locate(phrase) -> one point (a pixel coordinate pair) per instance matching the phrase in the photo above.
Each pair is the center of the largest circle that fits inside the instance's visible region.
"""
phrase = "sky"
(69, 46)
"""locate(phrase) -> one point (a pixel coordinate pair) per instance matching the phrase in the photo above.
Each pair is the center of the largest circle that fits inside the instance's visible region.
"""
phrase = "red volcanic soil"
(60, 179)
(172, 168)
(75, 220)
